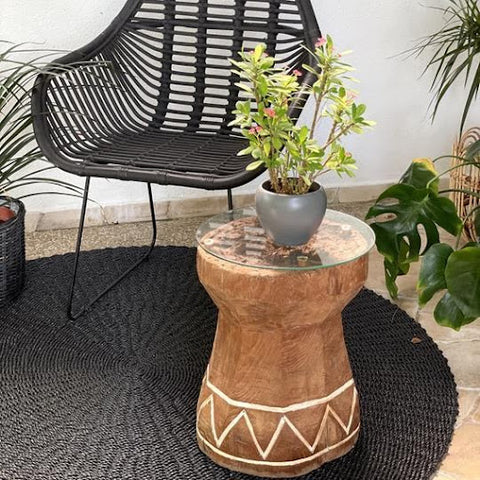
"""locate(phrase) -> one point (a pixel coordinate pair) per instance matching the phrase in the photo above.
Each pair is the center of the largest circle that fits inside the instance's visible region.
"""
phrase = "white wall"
(377, 30)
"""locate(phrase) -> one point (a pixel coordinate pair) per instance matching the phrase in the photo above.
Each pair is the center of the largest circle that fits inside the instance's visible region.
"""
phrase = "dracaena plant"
(454, 52)
(399, 212)
(291, 153)
(21, 161)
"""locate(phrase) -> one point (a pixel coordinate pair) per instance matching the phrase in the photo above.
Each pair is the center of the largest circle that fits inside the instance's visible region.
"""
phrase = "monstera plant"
(408, 215)
(416, 205)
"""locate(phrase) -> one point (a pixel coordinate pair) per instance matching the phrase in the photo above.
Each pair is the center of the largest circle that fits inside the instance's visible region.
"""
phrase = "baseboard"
(178, 208)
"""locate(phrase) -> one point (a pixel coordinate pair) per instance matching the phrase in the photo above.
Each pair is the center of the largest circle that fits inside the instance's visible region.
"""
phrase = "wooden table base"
(278, 398)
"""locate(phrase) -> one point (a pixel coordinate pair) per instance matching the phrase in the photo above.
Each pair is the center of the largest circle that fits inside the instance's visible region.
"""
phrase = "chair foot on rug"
(75, 315)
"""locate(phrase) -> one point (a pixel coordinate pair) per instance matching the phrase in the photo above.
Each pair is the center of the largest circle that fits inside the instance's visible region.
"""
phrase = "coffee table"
(278, 398)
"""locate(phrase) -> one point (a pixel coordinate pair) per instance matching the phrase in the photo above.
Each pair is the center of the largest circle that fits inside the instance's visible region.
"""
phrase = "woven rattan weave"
(12, 251)
(160, 113)
(113, 396)
(465, 178)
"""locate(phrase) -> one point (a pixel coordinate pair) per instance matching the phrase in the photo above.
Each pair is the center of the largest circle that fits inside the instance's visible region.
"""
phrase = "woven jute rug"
(113, 395)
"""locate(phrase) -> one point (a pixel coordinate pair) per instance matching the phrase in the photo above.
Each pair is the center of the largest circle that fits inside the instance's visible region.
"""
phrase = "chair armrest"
(69, 70)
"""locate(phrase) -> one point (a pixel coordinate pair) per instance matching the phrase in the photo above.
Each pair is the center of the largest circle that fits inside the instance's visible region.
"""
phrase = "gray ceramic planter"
(290, 219)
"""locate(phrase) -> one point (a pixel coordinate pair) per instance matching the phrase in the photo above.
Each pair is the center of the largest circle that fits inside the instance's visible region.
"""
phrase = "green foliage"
(290, 152)
(462, 275)
(412, 203)
(432, 273)
(476, 223)
(456, 52)
(448, 314)
(458, 274)
(416, 201)
(20, 156)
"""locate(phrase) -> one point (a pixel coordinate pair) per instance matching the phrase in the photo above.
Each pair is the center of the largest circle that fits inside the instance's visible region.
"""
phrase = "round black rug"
(113, 396)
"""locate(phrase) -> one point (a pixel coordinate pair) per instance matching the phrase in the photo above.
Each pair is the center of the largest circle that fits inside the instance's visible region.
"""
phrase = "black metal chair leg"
(74, 316)
(230, 199)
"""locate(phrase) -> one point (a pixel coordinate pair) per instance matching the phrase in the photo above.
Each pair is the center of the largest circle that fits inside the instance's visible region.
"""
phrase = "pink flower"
(321, 42)
(297, 73)
(270, 112)
(252, 131)
(351, 96)
(258, 128)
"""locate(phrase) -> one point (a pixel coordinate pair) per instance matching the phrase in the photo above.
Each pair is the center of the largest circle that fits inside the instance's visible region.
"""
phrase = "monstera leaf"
(448, 314)
(409, 205)
(462, 275)
(431, 278)
(458, 272)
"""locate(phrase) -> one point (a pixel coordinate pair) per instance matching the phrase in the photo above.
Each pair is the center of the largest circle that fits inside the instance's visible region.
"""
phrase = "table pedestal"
(278, 398)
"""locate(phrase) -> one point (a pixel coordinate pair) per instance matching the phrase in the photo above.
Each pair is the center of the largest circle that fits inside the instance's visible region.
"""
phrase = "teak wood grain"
(278, 398)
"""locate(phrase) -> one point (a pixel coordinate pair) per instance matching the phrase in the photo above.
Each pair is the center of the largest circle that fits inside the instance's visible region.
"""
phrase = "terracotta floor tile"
(463, 459)
(469, 406)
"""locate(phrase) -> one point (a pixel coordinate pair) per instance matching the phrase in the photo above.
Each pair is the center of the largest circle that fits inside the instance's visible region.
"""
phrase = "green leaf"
(431, 278)
(360, 110)
(277, 143)
(255, 165)
(448, 314)
(462, 276)
(473, 151)
(476, 223)
(303, 133)
(244, 87)
(420, 172)
(398, 238)
(258, 52)
(246, 151)
(267, 148)
(455, 52)
(395, 251)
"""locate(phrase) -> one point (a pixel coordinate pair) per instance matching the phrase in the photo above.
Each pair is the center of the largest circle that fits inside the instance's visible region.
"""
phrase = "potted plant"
(19, 167)
(291, 204)
(417, 202)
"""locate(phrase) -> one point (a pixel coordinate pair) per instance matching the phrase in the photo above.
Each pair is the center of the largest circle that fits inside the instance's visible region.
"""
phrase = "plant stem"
(318, 102)
(332, 131)
(318, 99)
(436, 177)
(338, 135)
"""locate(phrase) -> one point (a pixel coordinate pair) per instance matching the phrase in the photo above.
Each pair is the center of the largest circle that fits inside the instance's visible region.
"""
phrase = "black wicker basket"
(12, 251)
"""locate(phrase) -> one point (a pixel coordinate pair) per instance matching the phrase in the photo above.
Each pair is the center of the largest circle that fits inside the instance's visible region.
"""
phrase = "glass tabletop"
(237, 236)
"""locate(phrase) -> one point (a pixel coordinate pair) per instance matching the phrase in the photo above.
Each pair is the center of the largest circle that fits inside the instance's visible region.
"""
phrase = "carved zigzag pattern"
(284, 422)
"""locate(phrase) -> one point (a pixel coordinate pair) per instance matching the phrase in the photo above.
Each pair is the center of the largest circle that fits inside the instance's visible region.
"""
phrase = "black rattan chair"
(160, 113)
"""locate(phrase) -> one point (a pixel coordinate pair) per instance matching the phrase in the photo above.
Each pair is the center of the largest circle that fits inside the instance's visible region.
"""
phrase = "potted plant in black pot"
(19, 162)
(291, 204)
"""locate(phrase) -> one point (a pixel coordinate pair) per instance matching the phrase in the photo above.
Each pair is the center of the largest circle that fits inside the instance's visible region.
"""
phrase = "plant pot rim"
(315, 185)
(17, 215)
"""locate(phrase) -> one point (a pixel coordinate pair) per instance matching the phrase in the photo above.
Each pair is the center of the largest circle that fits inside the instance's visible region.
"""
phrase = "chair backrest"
(174, 54)
(170, 66)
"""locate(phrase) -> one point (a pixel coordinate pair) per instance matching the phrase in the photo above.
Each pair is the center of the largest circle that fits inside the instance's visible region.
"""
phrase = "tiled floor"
(461, 348)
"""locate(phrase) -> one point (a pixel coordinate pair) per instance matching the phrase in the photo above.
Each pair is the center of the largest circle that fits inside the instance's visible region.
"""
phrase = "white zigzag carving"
(329, 411)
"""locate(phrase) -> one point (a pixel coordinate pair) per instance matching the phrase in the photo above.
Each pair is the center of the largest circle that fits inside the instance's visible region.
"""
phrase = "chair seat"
(164, 155)
(177, 151)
